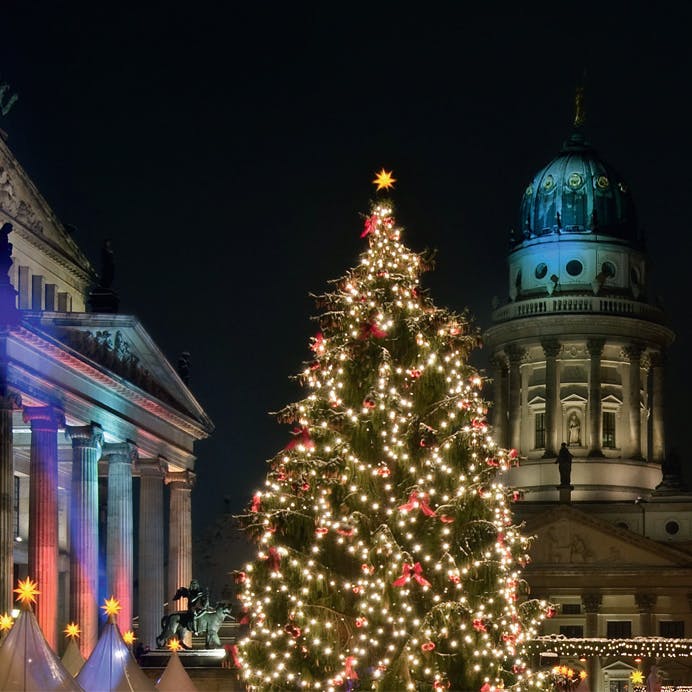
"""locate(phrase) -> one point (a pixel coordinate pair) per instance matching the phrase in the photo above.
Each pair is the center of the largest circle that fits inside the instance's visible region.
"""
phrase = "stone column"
(179, 534)
(8, 402)
(119, 570)
(515, 355)
(499, 366)
(151, 577)
(646, 602)
(658, 441)
(551, 348)
(84, 533)
(595, 348)
(43, 515)
(634, 354)
(592, 604)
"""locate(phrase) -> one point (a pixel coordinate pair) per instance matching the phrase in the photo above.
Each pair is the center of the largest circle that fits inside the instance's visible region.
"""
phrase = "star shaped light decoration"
(384, 180)
(27, 591)
(129, 637)
(111, 606)
(174, 645)
(6, 622)
(637, 677)
(72, 630)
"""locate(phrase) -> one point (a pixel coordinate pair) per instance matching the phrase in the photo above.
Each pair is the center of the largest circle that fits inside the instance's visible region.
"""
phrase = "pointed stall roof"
(72, 659)
(28, 663)
(111, 667)
(174, 677)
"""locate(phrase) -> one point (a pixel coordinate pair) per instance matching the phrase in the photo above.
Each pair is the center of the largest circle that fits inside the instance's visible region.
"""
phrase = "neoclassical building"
(579, 356)
(89, 409)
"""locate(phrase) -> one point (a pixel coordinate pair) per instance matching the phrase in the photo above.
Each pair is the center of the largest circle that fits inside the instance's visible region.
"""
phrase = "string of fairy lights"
(639, 647)
(386, 548)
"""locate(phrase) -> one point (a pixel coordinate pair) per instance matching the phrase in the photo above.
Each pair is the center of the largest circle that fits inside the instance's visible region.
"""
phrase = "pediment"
(611, 399)
(537, 401)
(32, 218)
(565, 536)
(574, 399)
(120, 345)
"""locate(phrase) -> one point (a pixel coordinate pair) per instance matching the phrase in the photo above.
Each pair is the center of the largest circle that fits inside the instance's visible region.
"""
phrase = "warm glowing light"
(174, 645)
(27, 591)
(111, 606)
(72, 630)
(6, 622)
(129, 637)
(384, 180)
(637, 677)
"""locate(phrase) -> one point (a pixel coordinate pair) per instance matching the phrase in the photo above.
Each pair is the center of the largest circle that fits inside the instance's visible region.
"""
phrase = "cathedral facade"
(579, 358)
(90, 412)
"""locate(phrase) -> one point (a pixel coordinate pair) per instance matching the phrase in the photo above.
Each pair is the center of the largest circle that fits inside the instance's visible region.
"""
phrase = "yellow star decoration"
(6, 622)
(112, 606)
(384, 180)
(72, 630)
(637, 677)
(173, 645)
(27, 591)
(129, 637)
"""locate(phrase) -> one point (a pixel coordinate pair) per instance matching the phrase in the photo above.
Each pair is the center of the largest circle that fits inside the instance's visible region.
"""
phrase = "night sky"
(228, 152)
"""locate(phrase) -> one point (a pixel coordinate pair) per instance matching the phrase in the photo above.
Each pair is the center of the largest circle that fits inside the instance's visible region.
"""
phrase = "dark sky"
(228, 152)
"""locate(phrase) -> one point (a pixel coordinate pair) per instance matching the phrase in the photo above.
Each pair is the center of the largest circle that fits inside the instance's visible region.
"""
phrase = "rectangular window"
(570, 608)
(37, 292)
(672, 629)
(619, 629)
(540, 431)
(609, 429)
(572, 631)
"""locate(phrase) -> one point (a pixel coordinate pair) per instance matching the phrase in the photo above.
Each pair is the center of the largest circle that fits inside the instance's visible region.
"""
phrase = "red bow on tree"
(349, 672)
(256, 500)
(370, 226)
(479, 626)
(318, 344)
(371, 329)
(233, 650)
(420, 500)
(302, 437)
(274, 558)
(415, 571)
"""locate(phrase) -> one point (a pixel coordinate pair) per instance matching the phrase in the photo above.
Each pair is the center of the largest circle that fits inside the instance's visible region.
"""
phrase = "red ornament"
(256, 501)
(441, 685)
(517, 495)
(427, 646)
(414, 374)
(245, 618)
(383, 471)
(446, 519)
(550, 612)
(317, 344)
(305, 486)
(301, 437)
(349, 671)
(478, 423)
(492, 462)
(321, 530)
(454, 578)
(370, 226)
(360, 622)
(408, 571)
(232, 649)
(479, 626)
(418, 500)
(513, 454)
(239, 577)
(315, 366)
(368, 569)
(293, 630)
(348, 531)
(357, 589)
(486, 688)
(274, 558)
(370, 329)
(368, 402)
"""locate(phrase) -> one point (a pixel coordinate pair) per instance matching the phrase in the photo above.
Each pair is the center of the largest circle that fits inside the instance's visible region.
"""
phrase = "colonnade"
(507, 421)
(88, 449)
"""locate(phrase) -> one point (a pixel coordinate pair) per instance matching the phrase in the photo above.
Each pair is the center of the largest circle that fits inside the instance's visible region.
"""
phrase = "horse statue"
(176, 625)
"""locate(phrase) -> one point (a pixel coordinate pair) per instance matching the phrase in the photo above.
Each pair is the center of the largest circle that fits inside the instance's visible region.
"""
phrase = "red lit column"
(8, 403)
(179, 534)
(84, 533)
(151, 576)
(43, 515)
(119, 570)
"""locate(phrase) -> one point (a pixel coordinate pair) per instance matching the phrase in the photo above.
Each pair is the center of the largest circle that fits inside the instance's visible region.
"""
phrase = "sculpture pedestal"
(565, 493)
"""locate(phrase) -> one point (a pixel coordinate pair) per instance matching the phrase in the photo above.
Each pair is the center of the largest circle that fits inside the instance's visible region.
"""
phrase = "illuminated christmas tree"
(388, 558)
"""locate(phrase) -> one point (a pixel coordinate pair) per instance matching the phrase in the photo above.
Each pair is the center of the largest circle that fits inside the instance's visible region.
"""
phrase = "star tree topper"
(384, 180)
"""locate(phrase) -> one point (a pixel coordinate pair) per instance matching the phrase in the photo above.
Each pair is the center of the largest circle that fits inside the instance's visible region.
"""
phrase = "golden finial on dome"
(579, 112)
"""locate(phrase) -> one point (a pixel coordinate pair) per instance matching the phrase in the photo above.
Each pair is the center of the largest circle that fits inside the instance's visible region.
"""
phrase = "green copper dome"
(577, 193)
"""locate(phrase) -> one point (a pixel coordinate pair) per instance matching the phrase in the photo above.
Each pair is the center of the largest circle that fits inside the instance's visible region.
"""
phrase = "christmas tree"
(387, 555)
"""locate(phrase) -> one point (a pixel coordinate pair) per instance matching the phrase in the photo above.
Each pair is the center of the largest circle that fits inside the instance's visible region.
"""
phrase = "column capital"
(633, 351)
(85, 435)
(150, 468)
(645, 601)
(595, 346)
(184, 480)
(515, 354)
(126, 451)
(551, 347)
(592, 601)
(44, 417)
(498, 361)
(659, 359)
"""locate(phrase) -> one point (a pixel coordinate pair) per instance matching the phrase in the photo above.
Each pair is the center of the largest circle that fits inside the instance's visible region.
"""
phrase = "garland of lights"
(387, 555)
(639, 647)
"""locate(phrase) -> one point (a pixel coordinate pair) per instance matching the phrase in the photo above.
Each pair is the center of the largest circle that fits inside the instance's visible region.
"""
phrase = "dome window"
(574, 267)
(608, 270)
(634, 275)
(548, 183)
(672, 527)
(541, 270)
(602, 182)
(575, 180)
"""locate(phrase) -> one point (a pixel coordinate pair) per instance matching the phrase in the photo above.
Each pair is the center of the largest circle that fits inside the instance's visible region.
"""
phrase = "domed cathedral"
(579, 354)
